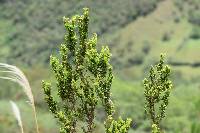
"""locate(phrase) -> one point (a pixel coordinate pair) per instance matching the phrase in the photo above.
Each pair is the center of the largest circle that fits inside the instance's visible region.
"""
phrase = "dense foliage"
(84, 79)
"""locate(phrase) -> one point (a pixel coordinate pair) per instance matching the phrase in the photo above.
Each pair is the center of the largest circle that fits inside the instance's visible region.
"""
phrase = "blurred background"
(136, 31)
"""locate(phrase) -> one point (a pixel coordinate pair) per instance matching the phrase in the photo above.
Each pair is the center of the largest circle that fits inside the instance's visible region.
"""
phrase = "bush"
(195, 32)
(84, 79)
(166, 37)
(157, 91)
(194, 17)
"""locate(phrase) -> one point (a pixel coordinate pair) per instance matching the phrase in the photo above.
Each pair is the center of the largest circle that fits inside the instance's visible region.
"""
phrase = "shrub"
(195, 32)
(157, 91)
(166, 37)
(194, 17)
(84, 79)
(195, 128)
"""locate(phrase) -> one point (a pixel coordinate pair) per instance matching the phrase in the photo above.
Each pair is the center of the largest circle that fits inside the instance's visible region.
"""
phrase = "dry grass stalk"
(17, 115)
(16, 75)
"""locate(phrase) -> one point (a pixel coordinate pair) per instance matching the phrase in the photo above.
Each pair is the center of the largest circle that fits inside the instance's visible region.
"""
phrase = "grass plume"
(14, 74)
(17, 115)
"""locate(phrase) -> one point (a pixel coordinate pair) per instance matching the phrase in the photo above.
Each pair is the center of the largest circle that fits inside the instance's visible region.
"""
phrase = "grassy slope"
(124, 34)
(183, 109)
(128, 97)
(150, 30)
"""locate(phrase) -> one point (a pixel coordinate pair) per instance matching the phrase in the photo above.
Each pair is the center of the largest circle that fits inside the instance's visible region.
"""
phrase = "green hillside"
(136, 31)
(34, 28)
(165, 30)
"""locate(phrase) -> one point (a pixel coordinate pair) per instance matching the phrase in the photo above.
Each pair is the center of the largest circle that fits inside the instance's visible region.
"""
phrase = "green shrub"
(195, 32)
(84, 79)
(194, 16)
(157, 91)
(166, 36)
(195, 128)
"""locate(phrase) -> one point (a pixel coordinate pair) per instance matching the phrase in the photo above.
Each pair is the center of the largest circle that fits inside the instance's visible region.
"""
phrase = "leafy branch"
(157, 91)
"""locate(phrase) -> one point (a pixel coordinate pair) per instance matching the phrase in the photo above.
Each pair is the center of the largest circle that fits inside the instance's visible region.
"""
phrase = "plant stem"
(35, 117)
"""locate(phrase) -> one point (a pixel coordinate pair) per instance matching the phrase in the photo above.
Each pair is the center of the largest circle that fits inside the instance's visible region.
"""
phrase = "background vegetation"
(136, 31)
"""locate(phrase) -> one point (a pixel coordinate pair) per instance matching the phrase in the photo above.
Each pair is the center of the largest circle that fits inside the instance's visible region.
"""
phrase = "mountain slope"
(38, 28)
(164, 30)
